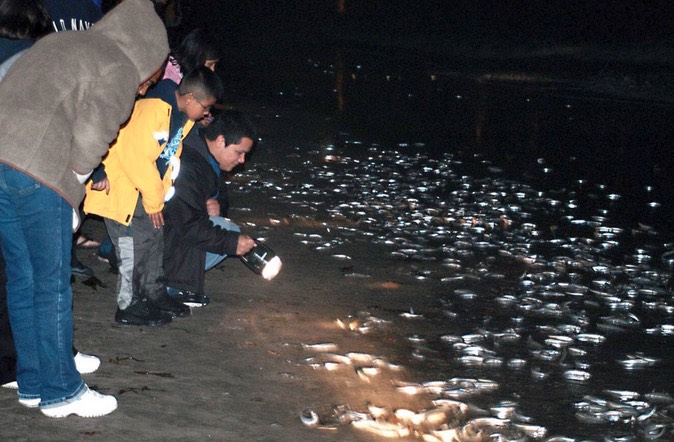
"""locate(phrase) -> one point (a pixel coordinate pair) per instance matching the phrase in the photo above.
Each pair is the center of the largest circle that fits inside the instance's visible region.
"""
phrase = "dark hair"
(231, 124)
(197, 47)
(202, 82)
(23, 20)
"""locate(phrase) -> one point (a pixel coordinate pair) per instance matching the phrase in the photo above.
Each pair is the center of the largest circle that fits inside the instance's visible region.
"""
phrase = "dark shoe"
(169, 305)
(82, 271)
(142, 313)
(189, 298)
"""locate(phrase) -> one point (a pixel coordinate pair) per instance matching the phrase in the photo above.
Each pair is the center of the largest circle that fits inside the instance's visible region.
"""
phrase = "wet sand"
(233, 370)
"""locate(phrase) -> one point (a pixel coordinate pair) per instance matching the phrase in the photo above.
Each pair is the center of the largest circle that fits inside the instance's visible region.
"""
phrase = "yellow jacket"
(131, 164)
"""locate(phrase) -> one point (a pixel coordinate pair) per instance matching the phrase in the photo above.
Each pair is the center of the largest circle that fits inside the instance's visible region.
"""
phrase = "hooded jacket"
(131, 164)
(63, 101)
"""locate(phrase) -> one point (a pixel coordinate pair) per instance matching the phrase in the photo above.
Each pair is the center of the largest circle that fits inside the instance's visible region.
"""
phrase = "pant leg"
(36, 239)
(213, 259)
(7, 349)
(121, 238)
(140, 251)
(148, 255)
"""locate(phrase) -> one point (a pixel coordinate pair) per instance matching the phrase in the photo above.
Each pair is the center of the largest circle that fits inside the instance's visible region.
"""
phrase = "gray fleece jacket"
(63, 101)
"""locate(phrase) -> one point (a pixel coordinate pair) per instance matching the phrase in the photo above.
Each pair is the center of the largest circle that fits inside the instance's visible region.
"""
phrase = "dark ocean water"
(456, 167)
(530, 124)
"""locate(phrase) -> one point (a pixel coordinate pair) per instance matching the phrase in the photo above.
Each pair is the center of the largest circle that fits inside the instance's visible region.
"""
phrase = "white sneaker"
(86, 364)
(30, 403)
(11, 385)
(90, 404)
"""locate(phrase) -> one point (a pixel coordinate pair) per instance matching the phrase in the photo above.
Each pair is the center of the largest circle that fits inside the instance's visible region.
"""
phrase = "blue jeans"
(36, 238)
(213, 259)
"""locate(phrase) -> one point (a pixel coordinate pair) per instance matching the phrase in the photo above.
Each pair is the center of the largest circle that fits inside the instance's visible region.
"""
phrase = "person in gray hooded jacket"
(62, 104)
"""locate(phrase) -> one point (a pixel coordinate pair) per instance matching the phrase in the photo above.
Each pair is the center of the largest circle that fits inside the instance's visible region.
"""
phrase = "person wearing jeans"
(36, 239)
(213, 259)
(58, 119)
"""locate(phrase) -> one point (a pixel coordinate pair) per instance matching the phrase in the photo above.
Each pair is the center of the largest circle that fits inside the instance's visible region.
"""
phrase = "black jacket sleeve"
(223, 195)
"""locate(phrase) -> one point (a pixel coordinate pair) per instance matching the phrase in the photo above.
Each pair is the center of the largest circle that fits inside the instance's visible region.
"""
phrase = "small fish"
(623, 395)
(411, 315)
(385, 429)
(516, 363)
(636, 361)
(534, 431)
(591, 338)
(378, 413)
(410, 388)
(577, 375)
(659, 398)
(332, 366)
(321, 347)
(471, 361)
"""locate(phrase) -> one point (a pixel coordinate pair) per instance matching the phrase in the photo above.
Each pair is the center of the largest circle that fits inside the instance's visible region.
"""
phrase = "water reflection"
(526, 212)
(340, 73)
(544, 307)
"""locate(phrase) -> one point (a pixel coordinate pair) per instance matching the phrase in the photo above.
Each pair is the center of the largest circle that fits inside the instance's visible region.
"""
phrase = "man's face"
(231, 156)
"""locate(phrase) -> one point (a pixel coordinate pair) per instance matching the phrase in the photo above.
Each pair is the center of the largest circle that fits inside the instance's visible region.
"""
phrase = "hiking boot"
(189, 298)
(89, 404)
(142, 313)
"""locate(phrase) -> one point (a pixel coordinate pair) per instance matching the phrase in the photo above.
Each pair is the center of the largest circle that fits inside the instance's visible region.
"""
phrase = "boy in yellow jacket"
(141, 166)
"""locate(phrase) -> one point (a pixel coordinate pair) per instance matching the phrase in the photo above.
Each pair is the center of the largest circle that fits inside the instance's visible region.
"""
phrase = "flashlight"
(263, 261)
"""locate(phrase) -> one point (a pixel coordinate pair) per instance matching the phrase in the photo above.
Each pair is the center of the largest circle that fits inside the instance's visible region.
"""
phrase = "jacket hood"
(139, 32)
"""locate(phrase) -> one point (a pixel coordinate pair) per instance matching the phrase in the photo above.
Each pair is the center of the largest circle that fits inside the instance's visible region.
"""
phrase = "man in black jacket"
(196, 235)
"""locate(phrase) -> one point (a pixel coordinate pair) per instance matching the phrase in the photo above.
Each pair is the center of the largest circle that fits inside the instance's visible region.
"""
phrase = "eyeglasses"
(206, 108)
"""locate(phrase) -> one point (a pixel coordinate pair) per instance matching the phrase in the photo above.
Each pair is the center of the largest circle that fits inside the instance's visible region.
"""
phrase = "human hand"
(157, 219)
(104, 184)
(213, 207)
(245, 245)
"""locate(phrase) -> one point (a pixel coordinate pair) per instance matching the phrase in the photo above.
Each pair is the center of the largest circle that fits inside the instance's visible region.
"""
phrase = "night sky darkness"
(502, 22)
